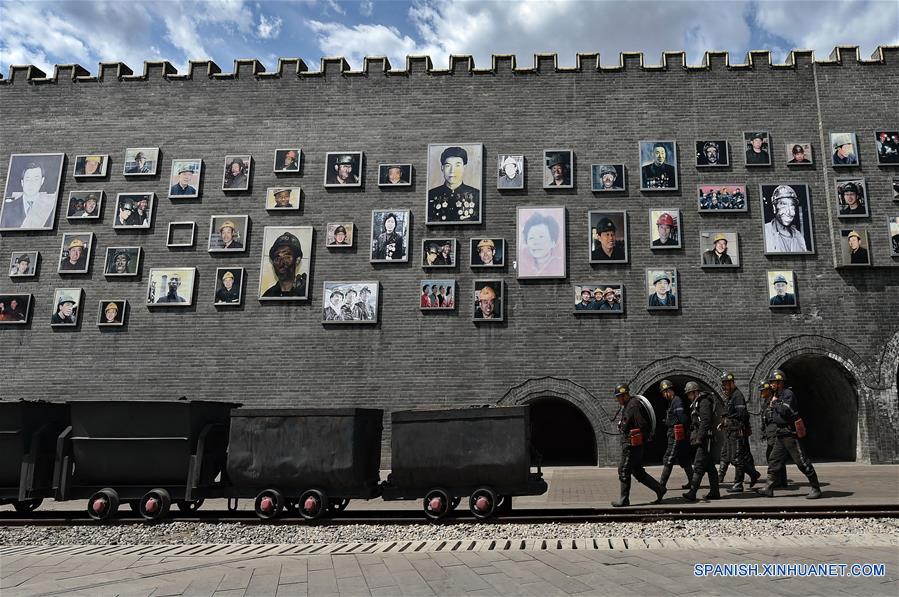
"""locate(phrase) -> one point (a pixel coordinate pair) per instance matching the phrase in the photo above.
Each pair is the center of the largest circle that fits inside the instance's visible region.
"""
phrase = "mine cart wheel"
(155, 504)
(28, 505)
(103, 505)
(504, 504)
(482, 502)
(187, 507)
(437, 503)
(336, 505)
(269, 504)
(313, 503)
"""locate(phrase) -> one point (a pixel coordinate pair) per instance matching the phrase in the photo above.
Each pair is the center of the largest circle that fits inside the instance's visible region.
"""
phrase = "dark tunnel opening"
(561, 434)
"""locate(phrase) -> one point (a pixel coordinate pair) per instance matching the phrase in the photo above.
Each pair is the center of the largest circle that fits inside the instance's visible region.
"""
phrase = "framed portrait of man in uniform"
(712, 153)
(887, 145)
(893, 231)
(438, 252)
(663, 290)
(133, 210)
(343, 169)
(75, 253)
(141, 161)
(665, 230)
(15, 309)
(286, 259)
(122, 261)
(90, 166)
(236, 175)
(340, 235)
(799, 153)
(600, 298)
(608, 236)
(437, 295)
(658, 165)
(66, 310)
(845, 152)
(184, 181)
(228, 286)
(855, 248)
(350, 302)
(723, 198)
(719, 248)
(781, 289)
(287, 161)
(489, 301)
(228, 233)
(390, 235)
(31, 193)
(541, 242)
(758, 148)
(510, 172)
(394, 175)
(85, 205)
(282, 198)
(558, 170)
(112, 312)
(786, 211)
(23, 264)
(455, 183)
(488, 252)
(852, 197)
(606, 178)
(171, 286)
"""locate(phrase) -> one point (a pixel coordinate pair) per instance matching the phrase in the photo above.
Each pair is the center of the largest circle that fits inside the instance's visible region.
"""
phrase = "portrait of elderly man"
(757, 149)
(511, 172)
(711, 153)
(343, 169)
(606, 299)
(542, 242)
(586, 300)
(74, 255)
(781, 297)
(852, 198)
(558, 168)
(658, 172)
(394, 174)
(455, 200)
(662, 296)
(843, 149)
(606, 177)
(32, 190)
(285, 256)
(140, 164)
(781, 232)
(606, 244)
(182, 175)
(717, 255)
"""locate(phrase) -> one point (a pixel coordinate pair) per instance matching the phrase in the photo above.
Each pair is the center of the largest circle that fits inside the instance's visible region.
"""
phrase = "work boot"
(666, 472)
(754, 477)
(657, 487)
(815, 491)
(624, 499)
(689, 470)
(690, 496)
(735, 488)
(713, 493)
(722, 471)
(768, 490)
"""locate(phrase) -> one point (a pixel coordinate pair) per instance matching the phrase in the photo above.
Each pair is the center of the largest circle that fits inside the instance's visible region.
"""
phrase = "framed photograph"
(437, 295)
(887, 144)
(228, 233)
(90, 166)
(285, 263)
(758, 148)
(66, 307)
(852, 197)
(895, 185)
(32, 178)
(141, 161)
(719, 248)
(236, 175)
(228, 286)
(599, 298)
(488, 252)
(662, 289)
(184, 182)
(722, 198)
(122, 261)
(75, 253)
(15, 309)
(488, 300)
(787, 216)
(343, 169)
(541, 242)
(455, 183)
(658, 165)
(894, 235)
(133, 210)
(112, 312)
(394, 175)
(799, 153)
(608, 236)
(85, 205)
(781, 289)
(23, 264)
(854, 247)
(509, 171)
(350, 302)
(339, 235)
(607, 178)
(438, 252)
(844, 152)
(389, 235)
(171, 286)
(287, 161)
(665, 229)
(558, 172)
(278, 198)
(181, 234)
(712, 153)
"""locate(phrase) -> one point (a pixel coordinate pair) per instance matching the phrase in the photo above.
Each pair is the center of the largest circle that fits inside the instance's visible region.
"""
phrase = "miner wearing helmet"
(782, 298)
(663, 296)
(843, 149)
(635, 430)
(737, 429)
(703, 423)
(486, 307)
(111, 314)
(559, 165)
(711, 155)
(454, 201)
(344, 171)
(852, 199)
(667, 227)
(717, 255)
(769, 430)
(286, 255)
(229, 233)
(74, 258)
(229, 290)
(678, 421)
(781, 235)
(608, 179)
(858, 255)
(511, 172)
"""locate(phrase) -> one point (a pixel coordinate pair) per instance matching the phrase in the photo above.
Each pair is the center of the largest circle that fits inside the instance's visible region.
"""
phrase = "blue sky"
(45, 33)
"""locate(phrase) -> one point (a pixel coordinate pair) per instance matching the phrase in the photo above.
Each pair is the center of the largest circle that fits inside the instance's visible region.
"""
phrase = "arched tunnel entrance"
(828, 405)
(655, 450)
(561, 434)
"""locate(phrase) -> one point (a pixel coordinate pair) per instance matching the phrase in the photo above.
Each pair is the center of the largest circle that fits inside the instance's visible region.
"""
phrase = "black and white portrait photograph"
(237, 173)
(488, 300)
(665, 229)
(181, 234)
(798, 153)
(438, 252)
(893, 232)
(541, 242)
(787, 216)
(455, 183)
(66, 307)
(122, 261)
(112, 312)
(510, 171)
(607, 177)
(852, 197)
(608, 236)
(350, 302)
(855, 248)
(390, 235)
(287, 161)
(282, 198)
(171, 287)
(723, 198)
(394, 175)
(23, 264)
(228, 286)
(658, 165)
(719, 248)
(15, 309)
(781, 289)
(487, 252)
(133, 210)
(844, 150)
(285, 263)
(228, 233)
(85, 205)
(31, 192)
(712, 153)
(662, 289)
(437, 295)
(75, 253)
(90, 166)
(758, 148)
(184, 182)
(339, 235)
(887, 145)
(343, 169)
(141, 161)
(599, 298)
(558, 169)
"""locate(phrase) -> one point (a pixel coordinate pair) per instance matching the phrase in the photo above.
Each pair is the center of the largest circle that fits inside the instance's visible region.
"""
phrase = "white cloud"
(268, 28)
(355, 43)
(366, 8)
(333, 5)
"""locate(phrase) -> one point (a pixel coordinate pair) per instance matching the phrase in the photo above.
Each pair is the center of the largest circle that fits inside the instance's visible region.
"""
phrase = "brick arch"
(676, 365)
(889, 364)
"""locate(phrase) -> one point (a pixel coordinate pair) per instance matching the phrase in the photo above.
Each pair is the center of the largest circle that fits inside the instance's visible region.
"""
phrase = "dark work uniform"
(631, 464)
(223, 295)
(757, 159)
(448, 205)
(598, 254)
(787, 299)
(702, 413)
(737, 429)
(860, 256)
(677, 452)
(658, 176)
(783, 413)
(769, 432)
(299, 289)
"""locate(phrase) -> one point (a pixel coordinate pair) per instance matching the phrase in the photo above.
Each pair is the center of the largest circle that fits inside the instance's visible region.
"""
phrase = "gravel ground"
(184, 533)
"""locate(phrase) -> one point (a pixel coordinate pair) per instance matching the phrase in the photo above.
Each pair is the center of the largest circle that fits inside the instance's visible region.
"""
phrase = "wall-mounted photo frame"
(184, 181)
(723, 198)
(844, 147)
(90, 166)
(394, 175)
(712, 153)
(799, 153)
(15, 309)
(658, 165)
(663, 289)
(23, 264)
(607, 231)
(665, 230)
(893, 232)
(438, 252)
(558, 169)
(782, 289)
(455, 183)
(719, 248)
(887, 145)
(285, 263)
(122, 261)
(228, 286)
(599, 298)
(112, 312)
(141, 161)
(236, 175)
(66, 307)
(437, 295)
(282, 198)
(228, 233)
(85, 205)
(75, 252)
(855, 248)
(541, 242)
(390, 235)
(895, 185)
(133, 210)
(758, 148)
(350, 302)
(171, 286)
(181, 235)
(852, 197)
(32, 178)
(340, 235)
(343, 169)
(787, 218)
(510, 171)
(488, 301)
(287, 161)
(608, 178)
(487, 252)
